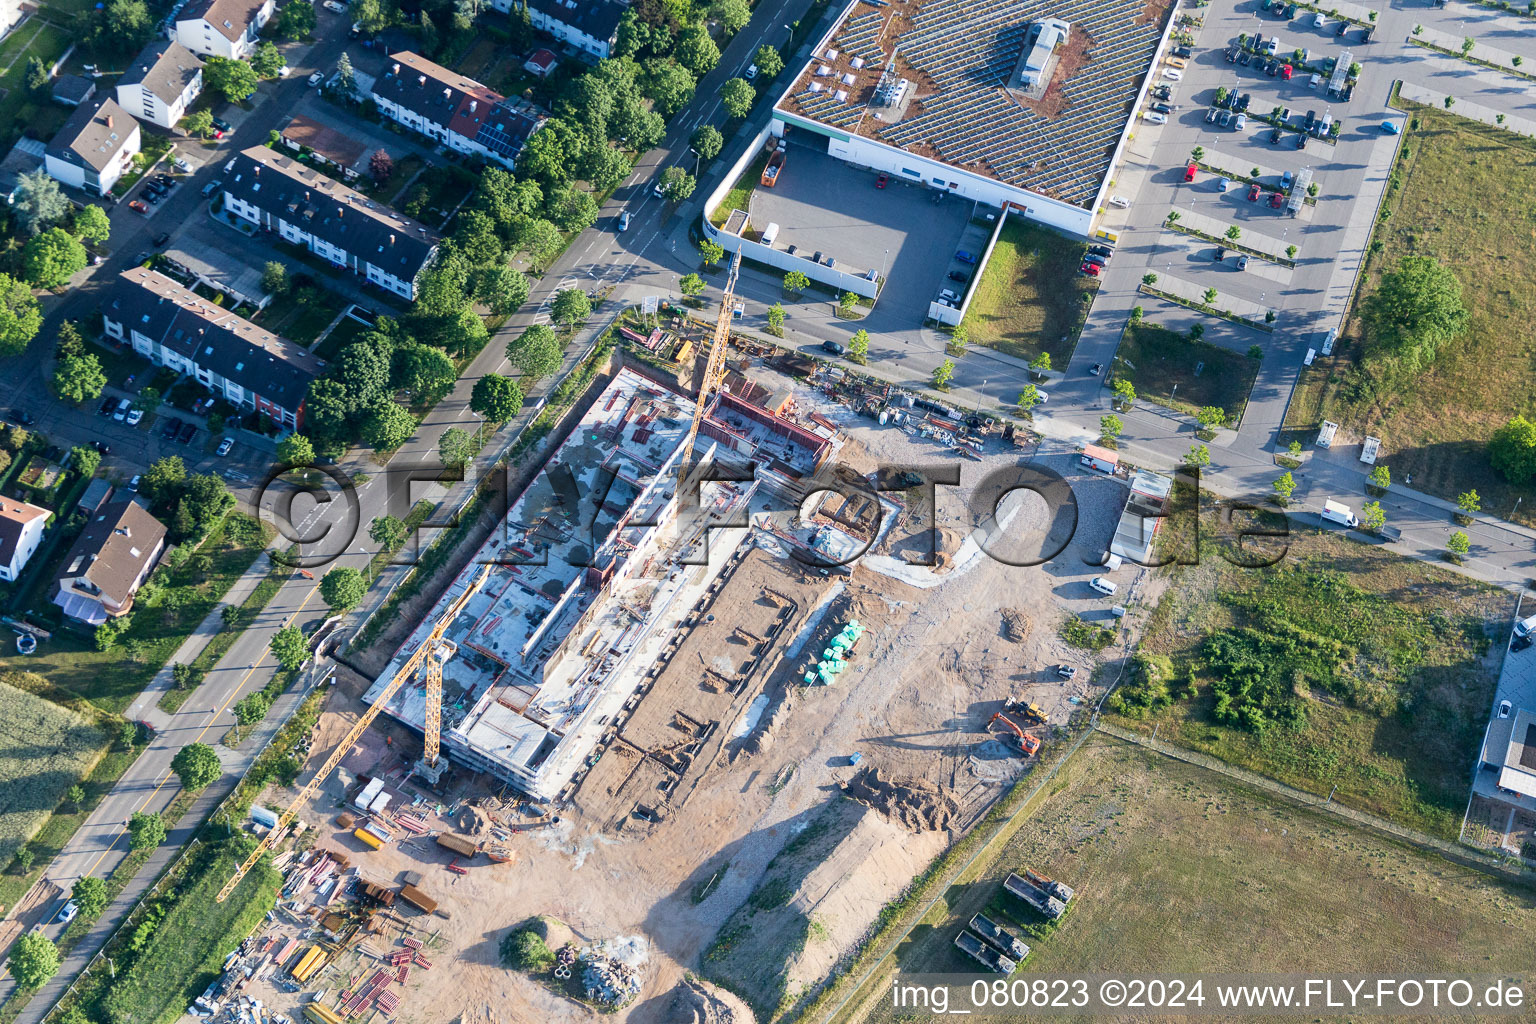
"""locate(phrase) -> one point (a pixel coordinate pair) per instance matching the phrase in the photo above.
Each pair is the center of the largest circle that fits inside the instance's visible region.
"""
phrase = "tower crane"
(714, 365)
(430, 656)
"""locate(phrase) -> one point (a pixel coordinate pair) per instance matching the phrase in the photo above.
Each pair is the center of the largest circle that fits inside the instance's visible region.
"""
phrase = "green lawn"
(1342, 665)
(740, 195)
(1177, 869)
(1031, 298)
(346, 332)
(302, 315)
(1162, 363)
(1465, 199)
(47, 42)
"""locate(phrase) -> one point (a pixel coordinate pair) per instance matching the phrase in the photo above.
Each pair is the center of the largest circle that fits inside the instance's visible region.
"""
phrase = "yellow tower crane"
(714, 365)
(429, 654)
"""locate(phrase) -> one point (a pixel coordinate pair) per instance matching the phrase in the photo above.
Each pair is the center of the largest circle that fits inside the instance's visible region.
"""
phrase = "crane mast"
(714, 365)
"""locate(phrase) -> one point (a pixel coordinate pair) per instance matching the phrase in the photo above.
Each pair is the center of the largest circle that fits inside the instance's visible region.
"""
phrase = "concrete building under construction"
(586, 564)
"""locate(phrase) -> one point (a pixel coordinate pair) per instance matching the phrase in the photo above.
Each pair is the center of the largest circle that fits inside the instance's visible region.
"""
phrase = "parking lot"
(822, 204)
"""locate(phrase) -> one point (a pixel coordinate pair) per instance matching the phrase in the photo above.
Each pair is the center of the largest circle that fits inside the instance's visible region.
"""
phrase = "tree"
(1234, 232)
(1458, 545)
(37, 77)
(295, 21)
(1041, 364)
(1372, 517)
(1110, 427)
(1199, 455)
(24, 858)
(380, 166)
(388, 532)
(50, 259)
(796, 282)
(1380, 477)
(79, 378)
(123, 26)
(288, 644)
(85, 460)
(1290, 252)
(497, 398)
(570, 307)
(537, 352)
(676, 184)
(1029, 397)
(69, 342)
(388, 426)
(858, 346)
(343, 588)
(1124, 393)
(707, 142)
(199, 122)
(1149, 279)
(943, 374)
(456, 447)
(91, 225)
(690, 285)
(712, 252)
(540, 239)
(145, 831)
(90, 895)
(732, 15)
(667, 84)
(776, 317)
(426, 372)
(696, 51)
(1466, 45)
(502, 289)
(736, 96)
(1210, 417)
(40, 203)
(197, 766)
(235, 79)
(848, 300)
(296, 450)
(1469, 502)
(33, 960)
(163, 480)
(604, 166)
(769, 61)
(75, 796)
(275, 279)
(1284, 486)
(1416, 310)
(1210, 296)
(267, 61)
(1512, 450)
(345, 73)
(570, 208)
(186, 677)
(371, 17)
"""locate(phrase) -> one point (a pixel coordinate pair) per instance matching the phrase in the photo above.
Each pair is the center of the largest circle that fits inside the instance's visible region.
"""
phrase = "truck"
(1337, 512)
(978, 950)
(1055, 888)
(1005, 942)
(770, 176)
(1325, 435)
(1035, 896)
(1371, 449)
(457, 843)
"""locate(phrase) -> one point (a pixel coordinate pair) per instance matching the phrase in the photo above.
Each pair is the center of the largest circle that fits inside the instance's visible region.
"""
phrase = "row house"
(458, 112)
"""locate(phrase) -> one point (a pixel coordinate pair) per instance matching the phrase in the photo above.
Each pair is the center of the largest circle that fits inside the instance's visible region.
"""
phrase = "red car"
(1277, 200)
(1253, 193)
(881, 181)
(1189, 173)
(1285, 72)
(138, 207)
(1090, 269)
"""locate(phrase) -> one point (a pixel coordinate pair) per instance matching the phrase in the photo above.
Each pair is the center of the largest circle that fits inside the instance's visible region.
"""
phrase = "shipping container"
(369, 838)
(458, 844)
(418, 899)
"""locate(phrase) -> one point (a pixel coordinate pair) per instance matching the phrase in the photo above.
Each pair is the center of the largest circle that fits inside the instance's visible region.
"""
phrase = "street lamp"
(882, 262)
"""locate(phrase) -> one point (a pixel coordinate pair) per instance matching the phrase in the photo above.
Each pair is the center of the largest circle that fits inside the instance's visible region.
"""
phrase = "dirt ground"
(716, 814)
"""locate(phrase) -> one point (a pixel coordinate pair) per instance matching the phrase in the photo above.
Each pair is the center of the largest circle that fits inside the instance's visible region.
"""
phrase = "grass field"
(1161, 363)
(1030, 298)
(1343, 665)
(1465, 199)
(1178, 869)
(47, 749)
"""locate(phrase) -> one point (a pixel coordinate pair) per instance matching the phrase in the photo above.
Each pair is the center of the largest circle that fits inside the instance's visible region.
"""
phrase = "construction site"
(666, 755)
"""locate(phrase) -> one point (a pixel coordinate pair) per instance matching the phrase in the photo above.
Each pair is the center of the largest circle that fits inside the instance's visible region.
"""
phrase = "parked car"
(1285, 181)
(1274, 136)
(1220, 254)
(1245, 58)
(1390, 127)
(134, 416)
(1095, 259)
(1183, 51)
(225, 445)
(1504, 709)
(832, 347)
(1272, 68)
(181, 166)
(185, 434)
(1240, 122)
(1211, 115)
(150, 196)
(1103, 586)
(138, 207)
(1273, 46)
(1178, 62)
(168, 432)
(1341, 28)
(1162, 108)
(1277, 200)
(1301, 141)
(751, 73)
(882, 181)
(1520, 643)
(959, 275)
(1101, 250)
(102, 447)
(1189, 172)
(20, 416)
(1231, 55)
(1095, 369)
(1242, 263)
(121, 413)
(161, 239)
(1226, 118)
(965, 257)
(1318, 21)
(133, 485)
(316, 78)
(1223, 184)
(223, 125)
(335, 6)
(1253, 193)
(212, 187)
(1153, 117)
(1120, 202)
(1173, 74)
(108, 406)
(1089, 269)
(1286, 71)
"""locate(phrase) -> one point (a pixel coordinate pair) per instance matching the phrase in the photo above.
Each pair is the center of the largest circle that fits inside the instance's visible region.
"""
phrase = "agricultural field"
(47, 749)
(1169, 369)
(1465, 199)
(1179, 869)
(1342, 665)
(1030, 298)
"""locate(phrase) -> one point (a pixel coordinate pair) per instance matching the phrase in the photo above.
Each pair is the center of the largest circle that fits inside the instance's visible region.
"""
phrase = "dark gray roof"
(114, 549)
(166, 68)
(327, 209)
(73, 90)
(94, 134)
(597, 18)
(214, 338)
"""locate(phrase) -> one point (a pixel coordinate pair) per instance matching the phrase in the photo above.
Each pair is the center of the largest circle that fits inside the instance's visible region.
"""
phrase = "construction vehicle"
(1028, 745)
(1056, 889)
(1031, 713)
(425, 654)
(1004, 941)
(978, 950)
(714, 366)
(1035, 896)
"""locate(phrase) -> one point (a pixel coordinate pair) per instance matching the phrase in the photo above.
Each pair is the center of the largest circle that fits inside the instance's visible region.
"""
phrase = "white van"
(1338, 512)
(1525, 627)
(1103, 586)
(770, 233)
(1112, 561)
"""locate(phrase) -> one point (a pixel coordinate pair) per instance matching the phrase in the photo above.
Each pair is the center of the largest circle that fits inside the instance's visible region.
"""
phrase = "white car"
(332, 5)
(134, 417)
(1103, 586)
(225, 445)
(1042, 396)
(1318, 20)
(122, 410)
(284, 71)
(1504, 709)
(1154, 117)
(316, 78)
(67, 914)
(1120, 202)
(750, 73)
(1173, 73)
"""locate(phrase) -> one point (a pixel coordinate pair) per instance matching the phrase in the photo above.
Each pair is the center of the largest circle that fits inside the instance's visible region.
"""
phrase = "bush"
(524, 950)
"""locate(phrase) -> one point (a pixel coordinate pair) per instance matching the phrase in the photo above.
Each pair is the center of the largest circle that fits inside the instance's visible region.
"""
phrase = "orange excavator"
(1027, 744)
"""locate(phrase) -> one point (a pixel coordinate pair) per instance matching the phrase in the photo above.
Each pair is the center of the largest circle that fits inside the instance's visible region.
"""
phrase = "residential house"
(540, 63)
(247, 366)
(456, 111)
(277, 193)
(223, 28)
(21, 531)
(591, 26)
(161, 83)
(109, 562)
(95, 147)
